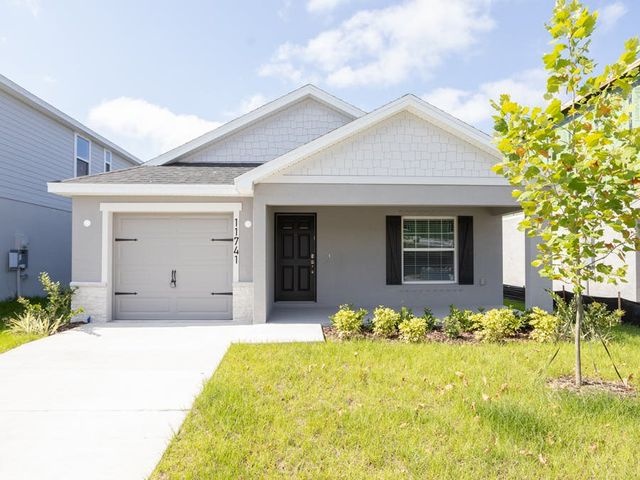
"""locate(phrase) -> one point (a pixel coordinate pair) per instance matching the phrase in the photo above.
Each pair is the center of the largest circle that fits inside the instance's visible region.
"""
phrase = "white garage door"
(172, 267)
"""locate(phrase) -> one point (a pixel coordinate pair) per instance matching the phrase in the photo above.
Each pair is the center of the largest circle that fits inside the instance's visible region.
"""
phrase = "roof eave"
(146, 189)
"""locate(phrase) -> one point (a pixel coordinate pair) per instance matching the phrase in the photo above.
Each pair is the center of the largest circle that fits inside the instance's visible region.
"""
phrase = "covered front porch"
(343, 251)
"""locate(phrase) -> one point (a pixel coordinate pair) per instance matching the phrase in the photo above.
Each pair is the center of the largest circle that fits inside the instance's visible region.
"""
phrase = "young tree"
(576, 169)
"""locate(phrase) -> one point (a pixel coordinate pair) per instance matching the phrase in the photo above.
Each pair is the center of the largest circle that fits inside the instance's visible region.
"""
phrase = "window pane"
(82, 148)
(82, 168)
(107, 156)
(107, 167)
(428, 266)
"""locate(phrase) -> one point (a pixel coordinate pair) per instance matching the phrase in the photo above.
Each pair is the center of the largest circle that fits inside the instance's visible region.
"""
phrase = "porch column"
(259, 261)
(536, 287)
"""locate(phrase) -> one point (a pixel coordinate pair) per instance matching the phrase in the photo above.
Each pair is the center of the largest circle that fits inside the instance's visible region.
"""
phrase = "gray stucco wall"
(351, 259)
(47, 232)
(87, 241)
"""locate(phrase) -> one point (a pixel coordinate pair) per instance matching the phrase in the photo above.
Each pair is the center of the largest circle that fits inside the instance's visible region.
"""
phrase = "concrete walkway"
(102, 402)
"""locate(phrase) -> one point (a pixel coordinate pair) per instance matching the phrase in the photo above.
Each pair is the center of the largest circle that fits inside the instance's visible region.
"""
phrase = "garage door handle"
(125, 293)
(222, 239)
(221, 293)
(173, 282)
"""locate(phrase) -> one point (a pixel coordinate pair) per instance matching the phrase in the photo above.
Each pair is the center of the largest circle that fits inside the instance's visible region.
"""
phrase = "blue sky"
(150, 75)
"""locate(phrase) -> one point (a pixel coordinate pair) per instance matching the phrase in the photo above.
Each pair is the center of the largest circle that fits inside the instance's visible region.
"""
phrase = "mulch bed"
(592, 385)
(436, 335)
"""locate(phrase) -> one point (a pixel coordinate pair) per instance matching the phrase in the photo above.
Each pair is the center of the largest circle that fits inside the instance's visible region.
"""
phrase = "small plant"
(347, 321)
(497, 324)
(451, 326)
(45, 319)
(597, 323)
(413, 329)
(546, 326)
(429, 319)
(385, 321)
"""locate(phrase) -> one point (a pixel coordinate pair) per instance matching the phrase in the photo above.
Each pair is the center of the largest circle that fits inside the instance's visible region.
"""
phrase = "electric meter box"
(18, 259)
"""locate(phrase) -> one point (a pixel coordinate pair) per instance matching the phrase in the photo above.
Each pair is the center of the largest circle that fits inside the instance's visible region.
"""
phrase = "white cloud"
(322, 6)
(32, 5)
(526, 87)
(49, 79)
(144, 128)
(610, 14)
(248, 104)
(386, 45)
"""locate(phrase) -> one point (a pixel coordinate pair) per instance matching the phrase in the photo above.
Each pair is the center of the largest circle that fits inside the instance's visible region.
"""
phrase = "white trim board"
(308, 91)
(385, 180)
(409, 103)
(134, 189)
(171, 207)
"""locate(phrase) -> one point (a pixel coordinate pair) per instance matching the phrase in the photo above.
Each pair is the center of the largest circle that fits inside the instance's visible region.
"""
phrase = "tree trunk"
(579, 317)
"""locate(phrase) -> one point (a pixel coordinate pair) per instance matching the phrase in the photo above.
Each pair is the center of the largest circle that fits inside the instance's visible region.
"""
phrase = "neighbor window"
(83, 154)
(107, 161)
(428, 250)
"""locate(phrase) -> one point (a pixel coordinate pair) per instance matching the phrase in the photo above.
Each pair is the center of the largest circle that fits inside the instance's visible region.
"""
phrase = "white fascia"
(156, 189)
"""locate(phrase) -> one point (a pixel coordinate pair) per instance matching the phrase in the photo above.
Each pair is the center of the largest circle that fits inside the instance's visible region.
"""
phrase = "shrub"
(497, 324)
(385, 321)
(429, 319)
(451, 326)
(45, 319)
(546, 326)
(413, 329)
(457, 321)
(597, 323)
(347, 321)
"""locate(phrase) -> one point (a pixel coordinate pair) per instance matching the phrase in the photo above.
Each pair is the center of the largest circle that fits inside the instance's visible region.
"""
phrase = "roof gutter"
(142, 190)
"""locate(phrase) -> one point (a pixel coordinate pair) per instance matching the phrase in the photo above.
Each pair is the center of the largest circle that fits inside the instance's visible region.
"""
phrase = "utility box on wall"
(18, 259)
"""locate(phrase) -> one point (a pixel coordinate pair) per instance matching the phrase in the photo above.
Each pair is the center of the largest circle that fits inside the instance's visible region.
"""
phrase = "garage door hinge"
(125, 293)
(222, 239)
(126, 239)
(221, 293)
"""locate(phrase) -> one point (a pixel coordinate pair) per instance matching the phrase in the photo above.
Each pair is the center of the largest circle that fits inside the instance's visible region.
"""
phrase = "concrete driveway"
(102, 402)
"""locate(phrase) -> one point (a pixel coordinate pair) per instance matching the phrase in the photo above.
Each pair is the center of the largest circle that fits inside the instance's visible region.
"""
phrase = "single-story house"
(293, 209)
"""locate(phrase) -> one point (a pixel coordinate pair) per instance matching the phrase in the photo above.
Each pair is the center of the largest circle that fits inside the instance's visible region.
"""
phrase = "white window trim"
(455, 251)
(110, 162)
(75, 155)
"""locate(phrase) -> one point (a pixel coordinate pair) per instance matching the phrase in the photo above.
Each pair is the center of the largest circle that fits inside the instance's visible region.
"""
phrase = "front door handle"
(172, 283)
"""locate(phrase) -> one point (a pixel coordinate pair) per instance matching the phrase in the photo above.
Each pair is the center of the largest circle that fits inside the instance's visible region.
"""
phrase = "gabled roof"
(15, 90)
(409, 103)
(308, 91)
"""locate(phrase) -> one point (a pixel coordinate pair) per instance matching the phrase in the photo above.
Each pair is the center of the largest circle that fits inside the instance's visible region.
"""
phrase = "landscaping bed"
(378, 409)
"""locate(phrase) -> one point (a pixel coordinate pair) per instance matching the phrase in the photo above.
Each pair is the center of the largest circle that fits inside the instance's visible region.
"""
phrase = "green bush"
(45, 319)
(347, 321)
(385, 321)
(546, 326)
(597, 323)
(429, 319)
(451, 326)
(413, 329)
(497, 324)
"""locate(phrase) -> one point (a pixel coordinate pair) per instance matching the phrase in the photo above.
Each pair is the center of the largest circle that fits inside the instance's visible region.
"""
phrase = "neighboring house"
(38, 143)
(299, 206)
(514, 241)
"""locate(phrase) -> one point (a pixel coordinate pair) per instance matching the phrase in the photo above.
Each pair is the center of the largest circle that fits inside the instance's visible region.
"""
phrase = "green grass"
(10, 340)
(363, 409)
(515, 304)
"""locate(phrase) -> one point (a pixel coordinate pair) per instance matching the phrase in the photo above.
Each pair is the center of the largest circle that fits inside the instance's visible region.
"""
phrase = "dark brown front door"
(295, 257)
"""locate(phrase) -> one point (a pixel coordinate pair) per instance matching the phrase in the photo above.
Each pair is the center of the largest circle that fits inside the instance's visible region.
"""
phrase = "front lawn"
(10, 340)
(363, 409)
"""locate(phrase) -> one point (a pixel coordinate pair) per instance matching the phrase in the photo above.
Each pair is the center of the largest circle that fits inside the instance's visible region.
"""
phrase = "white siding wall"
(36, 149)
(273, 136)
(403, 145)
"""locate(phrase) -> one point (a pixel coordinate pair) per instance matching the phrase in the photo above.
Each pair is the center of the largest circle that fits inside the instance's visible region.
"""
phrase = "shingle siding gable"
(273, 136)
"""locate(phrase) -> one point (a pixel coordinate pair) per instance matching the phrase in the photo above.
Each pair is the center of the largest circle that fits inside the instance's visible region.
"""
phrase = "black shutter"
(394, 250)
(465, 250)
